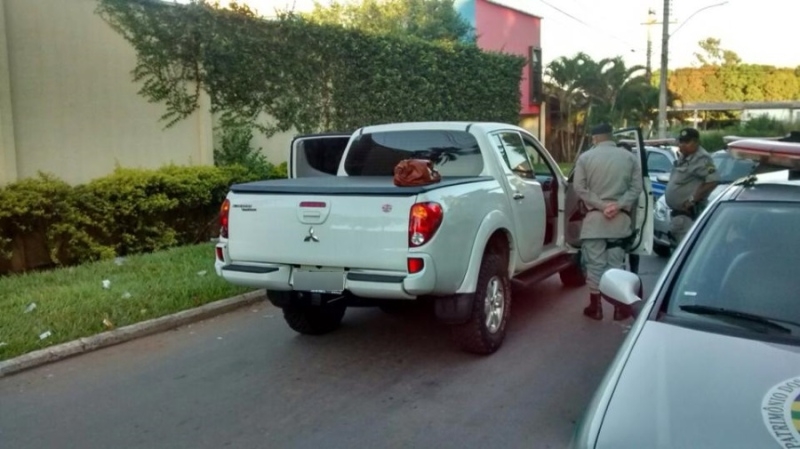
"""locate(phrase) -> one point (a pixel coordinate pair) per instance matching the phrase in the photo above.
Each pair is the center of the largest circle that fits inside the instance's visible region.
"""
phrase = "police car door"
(643, 220)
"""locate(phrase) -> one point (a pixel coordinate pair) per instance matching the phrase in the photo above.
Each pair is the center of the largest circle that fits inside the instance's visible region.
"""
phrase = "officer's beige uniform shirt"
(690, 172)
(604, 174)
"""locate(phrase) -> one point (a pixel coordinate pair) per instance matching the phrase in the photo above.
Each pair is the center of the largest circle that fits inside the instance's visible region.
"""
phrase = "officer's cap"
(688, 135)
(603, 128)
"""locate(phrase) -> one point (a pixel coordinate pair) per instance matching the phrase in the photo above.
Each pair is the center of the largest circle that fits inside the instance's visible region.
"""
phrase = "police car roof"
(781, 185)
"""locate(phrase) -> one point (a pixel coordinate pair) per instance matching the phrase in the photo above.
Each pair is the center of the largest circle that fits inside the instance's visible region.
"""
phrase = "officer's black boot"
(595, 309)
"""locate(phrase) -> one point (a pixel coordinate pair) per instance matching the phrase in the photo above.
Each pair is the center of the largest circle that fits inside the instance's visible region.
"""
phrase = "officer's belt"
(620, 243)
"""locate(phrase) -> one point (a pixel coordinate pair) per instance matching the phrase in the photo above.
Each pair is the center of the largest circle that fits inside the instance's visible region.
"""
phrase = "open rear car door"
(314, 155)
(643, 217)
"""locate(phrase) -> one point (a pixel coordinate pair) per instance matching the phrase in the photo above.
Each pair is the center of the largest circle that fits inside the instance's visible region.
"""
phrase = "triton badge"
(386, 208)
(311, 237)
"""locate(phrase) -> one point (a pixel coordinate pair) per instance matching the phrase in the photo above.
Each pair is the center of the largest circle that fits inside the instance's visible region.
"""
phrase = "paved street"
(245, 380)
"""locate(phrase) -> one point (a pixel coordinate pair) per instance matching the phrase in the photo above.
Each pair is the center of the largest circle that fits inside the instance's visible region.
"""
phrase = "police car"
(661, 157)
(713, 357)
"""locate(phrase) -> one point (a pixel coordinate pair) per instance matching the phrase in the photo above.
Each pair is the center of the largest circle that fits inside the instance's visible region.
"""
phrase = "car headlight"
(661, 210)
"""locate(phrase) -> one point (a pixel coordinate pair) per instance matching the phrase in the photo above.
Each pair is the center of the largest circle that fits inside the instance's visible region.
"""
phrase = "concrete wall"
(68, 105)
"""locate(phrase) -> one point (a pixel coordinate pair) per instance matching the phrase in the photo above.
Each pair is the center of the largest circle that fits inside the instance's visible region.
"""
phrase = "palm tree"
(611, 80)
(566, 80)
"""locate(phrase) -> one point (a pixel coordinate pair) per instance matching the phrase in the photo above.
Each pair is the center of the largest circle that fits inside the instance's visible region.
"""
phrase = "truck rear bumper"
(365, 283)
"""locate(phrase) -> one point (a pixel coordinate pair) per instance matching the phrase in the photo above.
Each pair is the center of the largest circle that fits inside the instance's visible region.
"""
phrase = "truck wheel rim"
(494, 304)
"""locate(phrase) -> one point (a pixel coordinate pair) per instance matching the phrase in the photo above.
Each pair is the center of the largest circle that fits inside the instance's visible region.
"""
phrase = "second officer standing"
(691, 181)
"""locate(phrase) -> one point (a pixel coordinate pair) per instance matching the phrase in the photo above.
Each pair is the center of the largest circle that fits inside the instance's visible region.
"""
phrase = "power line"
(586, 24)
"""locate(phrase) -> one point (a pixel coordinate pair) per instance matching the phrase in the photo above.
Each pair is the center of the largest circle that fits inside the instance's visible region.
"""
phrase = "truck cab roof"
(438, 125)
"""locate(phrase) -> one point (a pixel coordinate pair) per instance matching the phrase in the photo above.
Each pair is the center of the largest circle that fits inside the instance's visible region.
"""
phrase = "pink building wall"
(502, 28)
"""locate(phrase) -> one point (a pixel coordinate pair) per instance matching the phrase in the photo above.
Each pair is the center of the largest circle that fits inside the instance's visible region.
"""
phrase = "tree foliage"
(721, 76)
(433, 20)
(304, 75)
(590, 91)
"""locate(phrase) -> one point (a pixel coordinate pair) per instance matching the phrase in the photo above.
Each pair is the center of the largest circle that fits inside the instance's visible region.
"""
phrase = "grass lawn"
(72, 302)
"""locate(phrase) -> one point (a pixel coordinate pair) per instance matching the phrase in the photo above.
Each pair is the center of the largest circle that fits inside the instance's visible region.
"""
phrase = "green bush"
(236, 149)
(45, 222)
(41, 224)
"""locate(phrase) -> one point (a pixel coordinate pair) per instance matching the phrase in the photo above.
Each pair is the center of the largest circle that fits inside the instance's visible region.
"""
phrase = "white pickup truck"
(339, 233)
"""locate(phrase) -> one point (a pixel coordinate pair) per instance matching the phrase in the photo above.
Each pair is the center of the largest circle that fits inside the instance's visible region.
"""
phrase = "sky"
(760, 31)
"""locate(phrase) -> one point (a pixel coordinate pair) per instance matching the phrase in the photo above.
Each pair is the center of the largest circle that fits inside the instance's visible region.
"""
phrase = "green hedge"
(308, 76)
(45, 222)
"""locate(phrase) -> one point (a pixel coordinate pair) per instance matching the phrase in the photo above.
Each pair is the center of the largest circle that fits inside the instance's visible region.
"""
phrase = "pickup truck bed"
(348, 185)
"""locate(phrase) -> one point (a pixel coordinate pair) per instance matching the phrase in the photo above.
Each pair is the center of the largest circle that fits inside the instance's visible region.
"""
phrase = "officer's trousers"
(679, 226)
(599, 258)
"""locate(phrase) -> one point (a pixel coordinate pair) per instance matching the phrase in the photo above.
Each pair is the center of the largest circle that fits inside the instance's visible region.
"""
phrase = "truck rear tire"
(491, 308)
(314, 319)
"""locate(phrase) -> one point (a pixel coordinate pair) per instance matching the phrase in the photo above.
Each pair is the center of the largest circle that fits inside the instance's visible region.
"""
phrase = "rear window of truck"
(455, 153)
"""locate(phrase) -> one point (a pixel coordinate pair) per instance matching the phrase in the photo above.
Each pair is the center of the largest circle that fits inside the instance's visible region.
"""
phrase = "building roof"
(511, 8)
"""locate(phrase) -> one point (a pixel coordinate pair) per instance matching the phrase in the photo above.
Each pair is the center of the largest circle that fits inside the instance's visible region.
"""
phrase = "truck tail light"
(423, 222)
(224, 214)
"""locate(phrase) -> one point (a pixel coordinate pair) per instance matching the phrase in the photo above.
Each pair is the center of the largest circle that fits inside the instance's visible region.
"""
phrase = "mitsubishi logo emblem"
(311, 237)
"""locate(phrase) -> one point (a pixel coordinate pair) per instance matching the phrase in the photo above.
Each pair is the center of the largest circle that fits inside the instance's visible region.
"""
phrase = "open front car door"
(643, 217)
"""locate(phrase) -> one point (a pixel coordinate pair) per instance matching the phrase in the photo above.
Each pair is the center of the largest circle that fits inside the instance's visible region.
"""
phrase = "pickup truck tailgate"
(348, 231)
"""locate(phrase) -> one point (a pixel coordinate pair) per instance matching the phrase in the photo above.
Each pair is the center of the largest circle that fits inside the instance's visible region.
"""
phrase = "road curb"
(127, 333)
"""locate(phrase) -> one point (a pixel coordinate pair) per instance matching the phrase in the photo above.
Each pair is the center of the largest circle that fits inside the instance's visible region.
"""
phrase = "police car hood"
(684, 388)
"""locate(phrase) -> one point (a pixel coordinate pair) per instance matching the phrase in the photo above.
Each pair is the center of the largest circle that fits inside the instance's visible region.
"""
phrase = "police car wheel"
(485, 330)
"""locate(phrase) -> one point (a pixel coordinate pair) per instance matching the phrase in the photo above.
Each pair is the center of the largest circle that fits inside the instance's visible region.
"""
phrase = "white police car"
(661, 157)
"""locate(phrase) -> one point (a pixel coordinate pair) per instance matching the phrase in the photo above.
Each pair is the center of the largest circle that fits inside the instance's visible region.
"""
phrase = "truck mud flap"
(455, 309)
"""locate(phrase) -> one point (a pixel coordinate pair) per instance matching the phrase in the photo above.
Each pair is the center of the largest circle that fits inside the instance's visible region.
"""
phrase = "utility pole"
(651, 20)
(662, 94)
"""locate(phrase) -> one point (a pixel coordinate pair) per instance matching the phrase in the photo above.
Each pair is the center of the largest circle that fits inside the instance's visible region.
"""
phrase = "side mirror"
(622, 289)
(662, 178)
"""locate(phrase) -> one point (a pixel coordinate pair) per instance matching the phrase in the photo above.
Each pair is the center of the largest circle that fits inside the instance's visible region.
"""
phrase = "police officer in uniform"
(608, 182)
(692, 180)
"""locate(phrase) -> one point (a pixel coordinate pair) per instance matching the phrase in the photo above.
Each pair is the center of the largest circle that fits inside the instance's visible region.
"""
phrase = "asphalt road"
(245, 380)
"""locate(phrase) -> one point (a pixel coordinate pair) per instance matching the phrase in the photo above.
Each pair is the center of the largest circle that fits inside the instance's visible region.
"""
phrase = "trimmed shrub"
(45, 222)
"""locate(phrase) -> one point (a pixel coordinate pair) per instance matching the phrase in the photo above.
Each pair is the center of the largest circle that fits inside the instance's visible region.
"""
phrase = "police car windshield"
(729, 168)
(746, 261)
